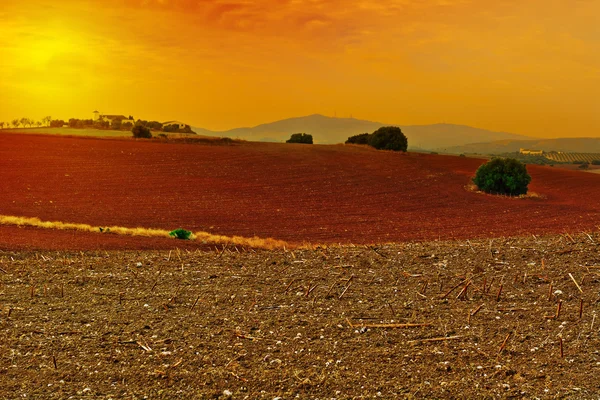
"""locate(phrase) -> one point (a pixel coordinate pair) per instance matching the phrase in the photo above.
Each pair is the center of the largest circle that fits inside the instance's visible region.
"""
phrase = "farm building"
(110, 118)
(531, 152)
(180, 125)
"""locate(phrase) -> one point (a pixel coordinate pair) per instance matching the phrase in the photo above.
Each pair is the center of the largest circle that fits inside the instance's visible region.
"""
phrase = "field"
(471, 319)
(397, 279)
(68, 132)
(299, 194)
(571, 157)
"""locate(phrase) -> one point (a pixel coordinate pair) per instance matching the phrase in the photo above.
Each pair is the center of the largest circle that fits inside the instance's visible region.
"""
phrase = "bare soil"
(495, 318)
(297, 193)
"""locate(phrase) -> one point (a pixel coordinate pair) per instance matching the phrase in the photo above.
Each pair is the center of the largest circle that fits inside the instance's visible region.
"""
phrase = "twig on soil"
(558, 307)
(499, 293)
(156, 281)
(463, 292)
(562, 354)
(438, 339)
(475, 311)
(550, 292)
(504, 343)
(591, 240)
(194, 305)
(580, 308)
(392, 309)
(289, 285)
(344, 292)
(452, 290)
(242, 336)
(575, 282)
(386, 325)
(144, 346)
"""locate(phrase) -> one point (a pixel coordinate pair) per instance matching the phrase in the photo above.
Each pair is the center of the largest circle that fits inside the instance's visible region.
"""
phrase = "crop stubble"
(314, 324)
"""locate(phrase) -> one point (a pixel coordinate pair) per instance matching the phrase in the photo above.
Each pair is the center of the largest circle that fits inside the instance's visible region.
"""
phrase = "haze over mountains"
(448, 138)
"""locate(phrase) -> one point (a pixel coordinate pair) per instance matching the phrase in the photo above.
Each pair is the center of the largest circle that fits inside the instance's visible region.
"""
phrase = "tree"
(57, 123)
(300, 138)
(140, 131)
(1, 125)
(46, 120)
(115, 124)
(171, 128)
(24, 121)
(38, 123)
(15, 123)
(388, 138)
(101, 124)
(154, 125)
(363, 138)
(503, 176)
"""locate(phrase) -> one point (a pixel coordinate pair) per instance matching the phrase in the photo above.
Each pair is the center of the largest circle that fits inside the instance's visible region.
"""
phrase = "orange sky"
(524, 66)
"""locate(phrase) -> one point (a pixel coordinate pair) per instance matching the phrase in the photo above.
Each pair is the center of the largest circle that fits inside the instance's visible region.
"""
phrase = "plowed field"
(442, 320)
(297, 193)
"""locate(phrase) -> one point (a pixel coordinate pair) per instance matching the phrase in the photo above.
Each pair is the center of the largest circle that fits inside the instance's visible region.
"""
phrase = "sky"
(523, 66)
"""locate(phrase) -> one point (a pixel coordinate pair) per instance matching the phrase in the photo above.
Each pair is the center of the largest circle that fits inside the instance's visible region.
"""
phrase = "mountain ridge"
(332, 130)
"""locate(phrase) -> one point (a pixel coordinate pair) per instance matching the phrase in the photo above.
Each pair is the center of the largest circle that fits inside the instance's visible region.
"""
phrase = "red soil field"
(297, 193)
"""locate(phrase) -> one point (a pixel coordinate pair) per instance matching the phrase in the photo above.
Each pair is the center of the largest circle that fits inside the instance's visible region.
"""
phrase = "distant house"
(110, 118)
(179, 124)
(531, 152)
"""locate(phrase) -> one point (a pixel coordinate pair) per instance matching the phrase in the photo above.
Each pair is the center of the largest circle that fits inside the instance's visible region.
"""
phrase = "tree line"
(26, 122)
(77, 123)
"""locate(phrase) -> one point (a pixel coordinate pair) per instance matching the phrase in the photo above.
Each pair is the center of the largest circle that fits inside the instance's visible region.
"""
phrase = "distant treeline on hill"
(118, 125)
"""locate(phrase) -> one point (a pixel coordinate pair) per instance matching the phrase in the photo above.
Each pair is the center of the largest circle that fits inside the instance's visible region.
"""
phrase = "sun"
(40, 49)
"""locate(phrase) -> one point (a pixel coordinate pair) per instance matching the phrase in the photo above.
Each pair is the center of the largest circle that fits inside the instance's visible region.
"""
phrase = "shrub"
(595, 162)
(388, 138)
(363, 138)
(181, 234)
(584, 165)
(503, 176)
(300, 138)
(140, 131)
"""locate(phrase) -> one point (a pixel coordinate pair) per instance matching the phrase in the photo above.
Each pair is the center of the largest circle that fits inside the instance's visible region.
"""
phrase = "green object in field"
(181, 234)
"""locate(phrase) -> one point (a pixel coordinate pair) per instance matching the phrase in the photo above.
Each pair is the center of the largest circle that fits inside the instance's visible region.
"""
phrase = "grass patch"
(205, 237)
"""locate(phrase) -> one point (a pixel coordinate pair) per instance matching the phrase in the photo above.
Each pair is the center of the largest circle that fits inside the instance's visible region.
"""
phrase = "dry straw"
(255, 242)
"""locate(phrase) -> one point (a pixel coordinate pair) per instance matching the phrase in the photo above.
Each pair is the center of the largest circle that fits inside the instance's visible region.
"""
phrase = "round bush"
(140, 131)
(388, 138)
(300, 138)
(363, 138)
(503, 176)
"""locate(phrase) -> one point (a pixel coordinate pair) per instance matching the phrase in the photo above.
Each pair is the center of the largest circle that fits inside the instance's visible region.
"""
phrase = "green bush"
(503, 176)
(300, 138)
(584, 165)
(363, 138)
(181, 234)
(140, 131)
(388, 138)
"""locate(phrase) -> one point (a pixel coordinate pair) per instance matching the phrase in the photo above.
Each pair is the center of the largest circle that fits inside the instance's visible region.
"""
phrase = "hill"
(567, 145)
(330, 130)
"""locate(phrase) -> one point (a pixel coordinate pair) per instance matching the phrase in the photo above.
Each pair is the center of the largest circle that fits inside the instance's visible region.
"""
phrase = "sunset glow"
(529, 67)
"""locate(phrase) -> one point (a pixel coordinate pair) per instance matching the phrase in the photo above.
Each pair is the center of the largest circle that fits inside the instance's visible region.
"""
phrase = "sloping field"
(296, 193)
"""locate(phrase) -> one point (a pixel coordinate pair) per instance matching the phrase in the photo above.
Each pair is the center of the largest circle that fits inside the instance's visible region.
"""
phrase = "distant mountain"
(566, 145)
(329, 130)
